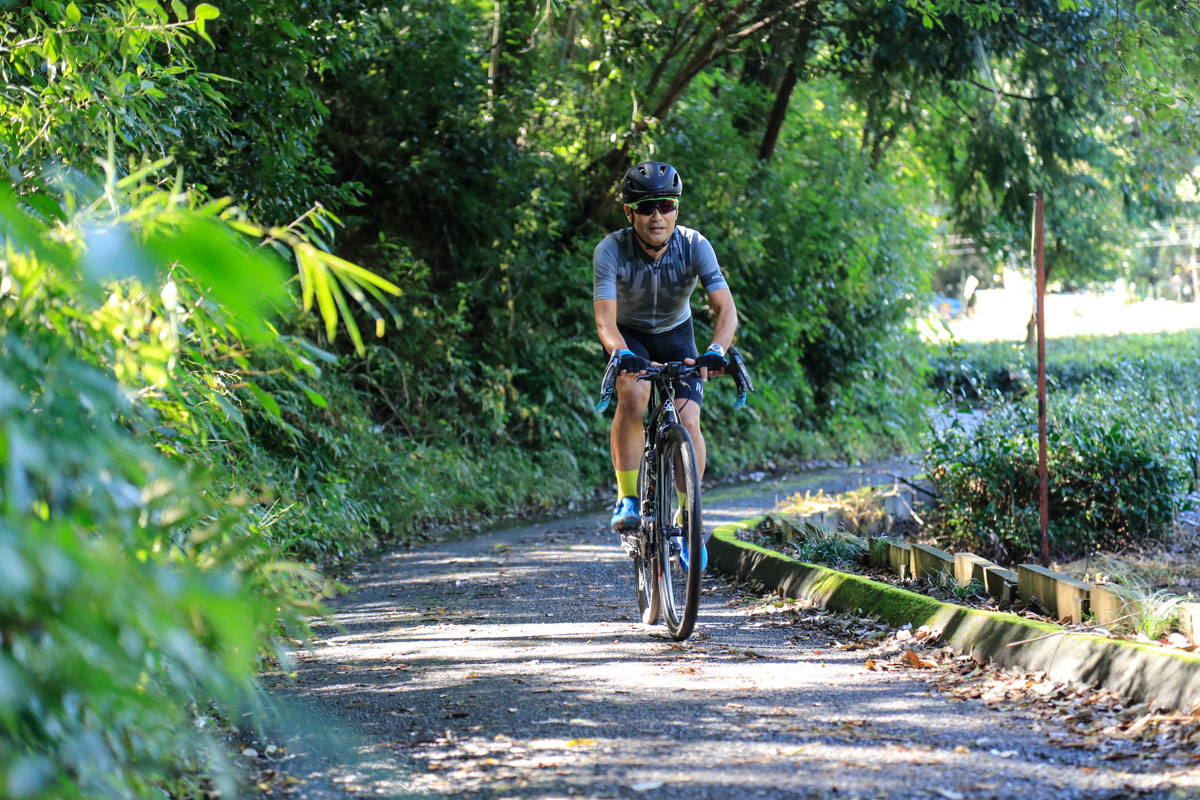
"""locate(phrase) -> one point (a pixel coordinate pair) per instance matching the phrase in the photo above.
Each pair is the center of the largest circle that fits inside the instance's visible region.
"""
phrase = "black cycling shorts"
(673, 345)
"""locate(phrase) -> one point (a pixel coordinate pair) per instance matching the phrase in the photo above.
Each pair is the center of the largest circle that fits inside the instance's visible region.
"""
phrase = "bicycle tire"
(645, 570)
(645, 584)
(679, 586)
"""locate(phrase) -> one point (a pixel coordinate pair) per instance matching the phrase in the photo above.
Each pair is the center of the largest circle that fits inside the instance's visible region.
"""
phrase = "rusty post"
(1043, 470)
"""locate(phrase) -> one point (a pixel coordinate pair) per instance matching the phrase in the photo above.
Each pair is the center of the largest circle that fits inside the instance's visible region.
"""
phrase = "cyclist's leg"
(689, 415)
(678, 344)
(626, 439)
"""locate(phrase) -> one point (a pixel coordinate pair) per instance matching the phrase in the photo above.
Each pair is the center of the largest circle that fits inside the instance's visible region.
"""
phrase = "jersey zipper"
(654, 284)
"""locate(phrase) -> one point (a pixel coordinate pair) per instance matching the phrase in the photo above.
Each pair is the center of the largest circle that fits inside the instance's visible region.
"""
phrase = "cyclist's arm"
(721, 301)
(725, 311)
(606, 325)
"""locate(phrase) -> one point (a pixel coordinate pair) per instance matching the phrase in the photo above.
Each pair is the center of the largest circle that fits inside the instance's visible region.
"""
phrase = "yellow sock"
(682, 498)
(627, 483)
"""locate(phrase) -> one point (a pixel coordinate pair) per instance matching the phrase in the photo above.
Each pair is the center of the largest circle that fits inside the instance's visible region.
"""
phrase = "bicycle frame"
(663, 412)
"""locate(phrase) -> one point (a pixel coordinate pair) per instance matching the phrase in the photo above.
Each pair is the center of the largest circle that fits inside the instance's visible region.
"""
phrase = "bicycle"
(666, 577)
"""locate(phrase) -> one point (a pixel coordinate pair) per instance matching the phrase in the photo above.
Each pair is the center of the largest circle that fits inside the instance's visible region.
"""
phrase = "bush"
(1116, 475)
(979, 369)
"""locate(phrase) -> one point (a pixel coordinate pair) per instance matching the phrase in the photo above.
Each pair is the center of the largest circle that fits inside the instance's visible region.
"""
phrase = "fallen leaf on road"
(911, 659)
(871, 665)
(581, 742)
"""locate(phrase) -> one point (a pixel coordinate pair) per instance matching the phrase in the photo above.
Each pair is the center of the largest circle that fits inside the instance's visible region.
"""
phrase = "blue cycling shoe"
(683, 557)
(625, 517)
(683, 554)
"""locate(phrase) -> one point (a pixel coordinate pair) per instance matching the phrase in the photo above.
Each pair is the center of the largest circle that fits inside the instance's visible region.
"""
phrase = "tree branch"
(1013, 95)
(533, 33)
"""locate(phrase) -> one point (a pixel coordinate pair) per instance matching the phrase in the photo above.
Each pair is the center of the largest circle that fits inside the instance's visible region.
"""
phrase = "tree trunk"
(783, 95)
(778, 114)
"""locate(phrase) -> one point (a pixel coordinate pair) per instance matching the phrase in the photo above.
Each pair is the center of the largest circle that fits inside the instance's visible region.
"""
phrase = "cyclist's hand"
(630, 363)
(712, 365)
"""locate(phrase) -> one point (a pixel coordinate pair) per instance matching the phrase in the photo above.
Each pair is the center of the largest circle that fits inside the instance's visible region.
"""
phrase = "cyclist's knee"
(689, 415)
(632, 394)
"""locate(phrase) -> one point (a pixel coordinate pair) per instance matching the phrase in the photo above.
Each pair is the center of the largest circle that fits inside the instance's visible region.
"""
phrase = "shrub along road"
(511, 664)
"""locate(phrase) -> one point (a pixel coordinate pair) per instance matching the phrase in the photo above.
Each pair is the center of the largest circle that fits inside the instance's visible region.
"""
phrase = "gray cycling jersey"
(654, 295)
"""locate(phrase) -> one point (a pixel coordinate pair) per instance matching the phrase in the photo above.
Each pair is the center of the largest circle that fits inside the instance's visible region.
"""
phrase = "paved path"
(511, 665)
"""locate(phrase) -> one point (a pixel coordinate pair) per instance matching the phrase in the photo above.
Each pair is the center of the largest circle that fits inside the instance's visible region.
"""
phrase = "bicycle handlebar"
(677, 369)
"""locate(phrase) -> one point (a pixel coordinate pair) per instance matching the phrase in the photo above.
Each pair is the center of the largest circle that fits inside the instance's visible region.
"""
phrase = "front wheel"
(680, 533)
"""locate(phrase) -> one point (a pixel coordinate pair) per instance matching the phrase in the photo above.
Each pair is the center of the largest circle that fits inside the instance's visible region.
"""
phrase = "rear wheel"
(646, 586)
(645, 565)
(679, 530)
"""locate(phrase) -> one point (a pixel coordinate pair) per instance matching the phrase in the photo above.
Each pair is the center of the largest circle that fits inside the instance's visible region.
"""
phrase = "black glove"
(629, 361)
(712, 361)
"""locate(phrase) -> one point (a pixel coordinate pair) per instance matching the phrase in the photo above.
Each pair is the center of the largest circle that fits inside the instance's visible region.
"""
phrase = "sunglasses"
(663, 205)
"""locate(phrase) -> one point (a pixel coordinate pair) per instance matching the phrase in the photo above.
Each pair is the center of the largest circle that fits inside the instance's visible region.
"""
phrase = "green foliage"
(177, 442)
(818, 545)
(1123, 436)
(77, 76)
(1154, 613)
(1116, 475)
(832, 550)
(981, 369)
(826, 266)
(956, 588)
(139, 589)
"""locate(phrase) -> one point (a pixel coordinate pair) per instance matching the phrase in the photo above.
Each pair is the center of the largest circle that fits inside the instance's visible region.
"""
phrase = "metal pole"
(1043, 471)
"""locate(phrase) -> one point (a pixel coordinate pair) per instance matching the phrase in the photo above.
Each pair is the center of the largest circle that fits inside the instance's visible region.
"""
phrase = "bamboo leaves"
(328, 279)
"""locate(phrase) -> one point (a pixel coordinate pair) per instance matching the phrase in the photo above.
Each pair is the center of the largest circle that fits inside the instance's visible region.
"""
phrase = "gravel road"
(511, 664)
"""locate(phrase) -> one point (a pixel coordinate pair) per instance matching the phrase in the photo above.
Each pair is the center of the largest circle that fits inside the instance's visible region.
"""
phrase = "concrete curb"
(1141, 672)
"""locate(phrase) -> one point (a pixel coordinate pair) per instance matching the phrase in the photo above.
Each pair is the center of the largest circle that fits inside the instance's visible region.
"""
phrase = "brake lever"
(607, 384)
(741, 377)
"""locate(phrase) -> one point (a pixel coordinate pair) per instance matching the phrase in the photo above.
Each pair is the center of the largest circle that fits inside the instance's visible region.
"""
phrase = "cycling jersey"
(653, 295)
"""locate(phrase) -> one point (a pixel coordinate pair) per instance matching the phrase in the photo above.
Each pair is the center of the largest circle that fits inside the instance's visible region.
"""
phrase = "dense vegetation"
(1123, 443)
(183, 445)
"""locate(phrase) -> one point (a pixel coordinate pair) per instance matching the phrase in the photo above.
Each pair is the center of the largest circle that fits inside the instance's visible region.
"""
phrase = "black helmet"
(650, 179)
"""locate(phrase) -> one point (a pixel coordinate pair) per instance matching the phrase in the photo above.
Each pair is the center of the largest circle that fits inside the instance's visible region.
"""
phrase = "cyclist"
(644, 276)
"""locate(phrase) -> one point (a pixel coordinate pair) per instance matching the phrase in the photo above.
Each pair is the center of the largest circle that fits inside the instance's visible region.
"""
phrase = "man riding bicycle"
(644, 276)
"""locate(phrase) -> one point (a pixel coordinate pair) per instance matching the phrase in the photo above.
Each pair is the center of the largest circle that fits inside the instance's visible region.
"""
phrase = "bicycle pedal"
(630, 543)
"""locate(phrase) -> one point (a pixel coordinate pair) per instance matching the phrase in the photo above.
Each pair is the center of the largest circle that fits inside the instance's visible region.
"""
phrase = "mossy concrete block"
(1063, 597)
(970, 567)
(1108, 602)
(1000, 583)
(802, 528)
(1142, 672)
(1189, 621)
(929, 561)
(900, 558)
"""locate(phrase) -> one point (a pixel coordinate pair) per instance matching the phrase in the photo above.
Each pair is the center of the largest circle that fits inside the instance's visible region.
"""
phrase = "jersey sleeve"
(604, 270)
(704, 260)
